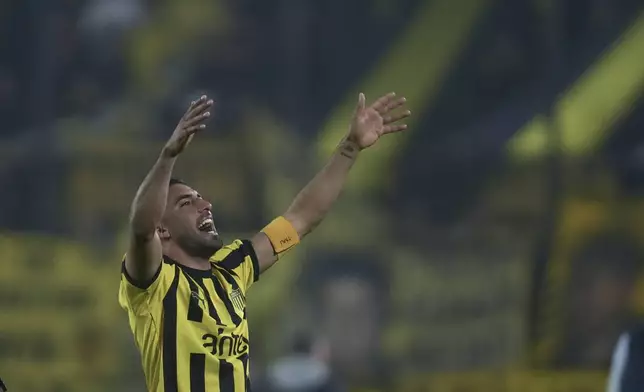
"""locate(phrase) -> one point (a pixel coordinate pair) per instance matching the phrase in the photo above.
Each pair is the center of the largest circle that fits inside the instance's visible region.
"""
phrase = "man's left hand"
(371, 122)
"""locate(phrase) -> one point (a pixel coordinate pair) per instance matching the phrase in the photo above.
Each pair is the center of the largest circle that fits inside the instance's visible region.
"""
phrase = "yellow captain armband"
(282, 234)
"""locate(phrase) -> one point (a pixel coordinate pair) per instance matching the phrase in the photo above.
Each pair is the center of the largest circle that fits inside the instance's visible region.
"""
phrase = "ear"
(164, 234)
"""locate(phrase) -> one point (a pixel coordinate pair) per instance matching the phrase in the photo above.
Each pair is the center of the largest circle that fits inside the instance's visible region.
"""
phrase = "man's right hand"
(144, 254)
(191, 123)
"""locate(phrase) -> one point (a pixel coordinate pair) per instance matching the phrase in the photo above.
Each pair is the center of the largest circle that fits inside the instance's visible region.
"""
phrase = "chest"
(212, 303)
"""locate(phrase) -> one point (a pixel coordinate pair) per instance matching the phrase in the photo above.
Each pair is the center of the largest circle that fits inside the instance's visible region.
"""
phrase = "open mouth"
(207, 226)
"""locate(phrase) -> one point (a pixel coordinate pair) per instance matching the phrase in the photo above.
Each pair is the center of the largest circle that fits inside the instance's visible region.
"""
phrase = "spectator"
(626, 372)
(302, 370)
(603, 281)
(349, 293)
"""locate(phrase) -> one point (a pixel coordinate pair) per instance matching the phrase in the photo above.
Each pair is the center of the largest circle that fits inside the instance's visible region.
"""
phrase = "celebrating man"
(184, 292)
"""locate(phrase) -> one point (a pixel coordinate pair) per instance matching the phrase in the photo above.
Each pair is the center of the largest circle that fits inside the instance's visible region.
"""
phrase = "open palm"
(370, 123)
(191, 123)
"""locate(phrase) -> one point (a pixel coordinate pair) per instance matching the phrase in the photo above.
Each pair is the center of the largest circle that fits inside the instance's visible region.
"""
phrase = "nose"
(205, 205)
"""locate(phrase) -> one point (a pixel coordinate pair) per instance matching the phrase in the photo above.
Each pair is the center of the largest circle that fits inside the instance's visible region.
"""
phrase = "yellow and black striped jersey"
(190, 325)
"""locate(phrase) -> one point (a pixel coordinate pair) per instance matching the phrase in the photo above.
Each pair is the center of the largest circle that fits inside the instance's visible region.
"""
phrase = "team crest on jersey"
(195, 295)
(238, 299)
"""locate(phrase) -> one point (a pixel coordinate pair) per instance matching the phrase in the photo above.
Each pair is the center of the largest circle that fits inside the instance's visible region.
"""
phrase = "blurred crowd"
(462, 260)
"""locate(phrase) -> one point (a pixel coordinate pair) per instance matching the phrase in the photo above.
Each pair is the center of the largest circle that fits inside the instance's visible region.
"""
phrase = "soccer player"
(184, 292)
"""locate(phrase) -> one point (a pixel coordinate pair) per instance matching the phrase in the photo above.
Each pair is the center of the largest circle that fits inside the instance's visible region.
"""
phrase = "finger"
(394, 104)
(192, 106)
(200, 108)
(189, 133)
(189, 139)
(361, 102)
(381, 103)
(194, 129)
(202, 99)
(394, 128)
(197, 101)
(396, 117)
(197, 119)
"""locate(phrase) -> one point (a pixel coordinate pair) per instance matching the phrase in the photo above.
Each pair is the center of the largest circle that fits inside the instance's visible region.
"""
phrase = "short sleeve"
(240, 259)
(140, 297)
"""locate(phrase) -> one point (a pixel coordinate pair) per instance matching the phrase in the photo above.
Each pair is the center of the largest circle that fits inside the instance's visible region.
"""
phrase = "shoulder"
(239, 259)
(144, 294)
(227, 249)
(234, 254)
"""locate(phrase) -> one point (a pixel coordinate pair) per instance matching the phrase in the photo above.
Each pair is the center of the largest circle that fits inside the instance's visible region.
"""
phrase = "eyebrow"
(187, 196)
(183, 197)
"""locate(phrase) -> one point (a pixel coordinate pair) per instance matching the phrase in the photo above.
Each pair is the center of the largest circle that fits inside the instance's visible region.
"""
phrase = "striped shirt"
(190, 325)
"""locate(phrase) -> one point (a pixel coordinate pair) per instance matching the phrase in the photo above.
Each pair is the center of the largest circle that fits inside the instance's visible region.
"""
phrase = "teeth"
(207, 222)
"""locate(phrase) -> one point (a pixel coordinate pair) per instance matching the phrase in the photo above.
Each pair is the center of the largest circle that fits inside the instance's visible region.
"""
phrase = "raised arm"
(314, 201)
(144, 254)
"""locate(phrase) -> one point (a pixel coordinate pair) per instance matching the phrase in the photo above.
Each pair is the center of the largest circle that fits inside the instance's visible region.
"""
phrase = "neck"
(180, 256)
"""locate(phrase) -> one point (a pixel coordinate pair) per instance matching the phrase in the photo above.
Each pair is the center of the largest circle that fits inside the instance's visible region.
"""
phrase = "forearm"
(314, 201)
(151, 198)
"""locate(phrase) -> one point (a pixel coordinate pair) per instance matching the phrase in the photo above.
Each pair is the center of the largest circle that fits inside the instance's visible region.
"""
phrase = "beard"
(200, 245)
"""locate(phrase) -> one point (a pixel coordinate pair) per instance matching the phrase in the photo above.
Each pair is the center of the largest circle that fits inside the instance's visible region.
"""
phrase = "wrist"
(166, 160)
(167, 155)
(349, 138)
(348, 148)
